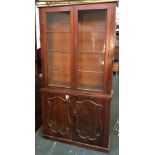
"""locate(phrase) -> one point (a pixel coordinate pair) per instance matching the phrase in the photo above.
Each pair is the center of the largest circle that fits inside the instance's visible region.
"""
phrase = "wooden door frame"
(43, 12)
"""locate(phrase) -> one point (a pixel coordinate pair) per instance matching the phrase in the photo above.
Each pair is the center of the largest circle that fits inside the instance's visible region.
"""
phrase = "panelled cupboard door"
(79, 119)
(56, 115)
(89, 121)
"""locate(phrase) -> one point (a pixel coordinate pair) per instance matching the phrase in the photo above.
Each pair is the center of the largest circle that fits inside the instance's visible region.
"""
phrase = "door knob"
(66, 97)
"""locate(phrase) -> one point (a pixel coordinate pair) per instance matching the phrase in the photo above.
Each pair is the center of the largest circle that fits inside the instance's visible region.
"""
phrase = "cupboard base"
(87, 146)
(76, 118)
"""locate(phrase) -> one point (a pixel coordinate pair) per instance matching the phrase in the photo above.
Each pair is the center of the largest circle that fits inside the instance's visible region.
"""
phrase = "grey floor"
(47, 147)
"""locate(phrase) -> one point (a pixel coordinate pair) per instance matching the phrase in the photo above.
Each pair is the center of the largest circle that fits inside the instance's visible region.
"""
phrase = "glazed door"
(91, 47)
(76, 47)
(57, 46)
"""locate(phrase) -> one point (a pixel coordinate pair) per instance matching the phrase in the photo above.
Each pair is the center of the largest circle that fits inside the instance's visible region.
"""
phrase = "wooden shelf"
(62, 51)
(59, 85)
(95, 72)
(58, 69)
(57, 31)
(90, 52)
(96, 88)
(65, 51)
(85, 31)
(84, 71)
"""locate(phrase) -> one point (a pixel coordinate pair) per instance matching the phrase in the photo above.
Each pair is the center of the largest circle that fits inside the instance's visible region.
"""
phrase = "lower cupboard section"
(75, 119)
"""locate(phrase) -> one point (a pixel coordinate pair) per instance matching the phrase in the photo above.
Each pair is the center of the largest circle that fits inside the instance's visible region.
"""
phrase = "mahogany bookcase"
(77, 43)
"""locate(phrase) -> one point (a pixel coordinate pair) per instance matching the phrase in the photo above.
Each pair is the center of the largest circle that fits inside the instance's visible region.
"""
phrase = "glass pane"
(91, 49)
(90, 62)
(90, 80)
(58, 48)
(58, 22)
(59, 60)
(58, 41)
(59, 78)
(90, 20)
(93, 42)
